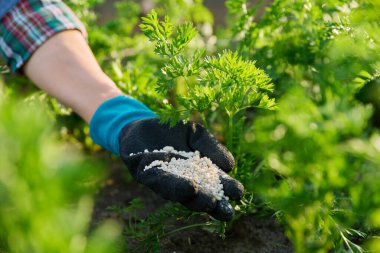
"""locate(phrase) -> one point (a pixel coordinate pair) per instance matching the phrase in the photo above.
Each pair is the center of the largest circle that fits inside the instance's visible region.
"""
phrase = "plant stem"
(230, 135)
(204, 121)
(184, 228)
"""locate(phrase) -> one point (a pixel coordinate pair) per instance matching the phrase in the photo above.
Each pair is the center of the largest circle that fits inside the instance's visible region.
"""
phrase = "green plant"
(300, 42)
(316, 178)
(46, 197)
(215, 85)
(321, 57)
(144, 234)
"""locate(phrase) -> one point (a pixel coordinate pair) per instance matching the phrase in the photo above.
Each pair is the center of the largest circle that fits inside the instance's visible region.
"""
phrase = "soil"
(248, 234)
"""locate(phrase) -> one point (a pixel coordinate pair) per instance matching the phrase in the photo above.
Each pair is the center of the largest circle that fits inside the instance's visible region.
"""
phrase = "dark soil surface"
(248, 234)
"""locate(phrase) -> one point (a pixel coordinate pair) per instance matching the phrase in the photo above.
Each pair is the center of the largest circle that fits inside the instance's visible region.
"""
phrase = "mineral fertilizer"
(193, 167)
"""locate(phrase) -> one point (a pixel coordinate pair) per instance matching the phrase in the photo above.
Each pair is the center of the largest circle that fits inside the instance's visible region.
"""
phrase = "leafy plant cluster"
(313, 175)
(315, 149)
(46, 197)
(312, 159)
(294, 41)
(219, 85)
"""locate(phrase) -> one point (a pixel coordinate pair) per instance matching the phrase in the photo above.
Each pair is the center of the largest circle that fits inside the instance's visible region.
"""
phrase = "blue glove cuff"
(112, 116)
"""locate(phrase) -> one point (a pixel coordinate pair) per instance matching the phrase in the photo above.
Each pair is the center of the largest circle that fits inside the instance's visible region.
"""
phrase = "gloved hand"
(124, 126)
(149, 134)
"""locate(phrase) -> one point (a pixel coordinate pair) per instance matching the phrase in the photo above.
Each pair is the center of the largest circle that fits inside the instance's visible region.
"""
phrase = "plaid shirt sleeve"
(29, 24)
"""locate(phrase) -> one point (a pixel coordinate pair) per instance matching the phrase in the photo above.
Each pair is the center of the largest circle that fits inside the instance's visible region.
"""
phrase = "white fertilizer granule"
(198, 169)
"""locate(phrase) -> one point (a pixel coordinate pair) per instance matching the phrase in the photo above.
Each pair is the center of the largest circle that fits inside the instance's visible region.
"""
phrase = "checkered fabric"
(29, 24)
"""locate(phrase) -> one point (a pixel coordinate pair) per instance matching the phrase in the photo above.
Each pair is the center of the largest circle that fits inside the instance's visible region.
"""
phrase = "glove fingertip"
(223, 159)
(232, 188)
(223, 211)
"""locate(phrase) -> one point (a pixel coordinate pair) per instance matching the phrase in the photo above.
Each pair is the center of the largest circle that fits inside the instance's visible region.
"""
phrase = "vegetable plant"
(225, 85)
(311, 159)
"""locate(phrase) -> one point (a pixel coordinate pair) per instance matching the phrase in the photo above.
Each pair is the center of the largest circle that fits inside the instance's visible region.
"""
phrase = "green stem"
(184, 228)
(204, 121)
(230, 132)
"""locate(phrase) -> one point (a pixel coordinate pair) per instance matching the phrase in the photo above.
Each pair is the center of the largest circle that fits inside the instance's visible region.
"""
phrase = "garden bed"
(250, 233)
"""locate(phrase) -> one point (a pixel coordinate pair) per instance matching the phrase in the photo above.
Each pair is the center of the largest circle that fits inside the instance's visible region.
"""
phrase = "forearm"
(47, 42)
(65, 67)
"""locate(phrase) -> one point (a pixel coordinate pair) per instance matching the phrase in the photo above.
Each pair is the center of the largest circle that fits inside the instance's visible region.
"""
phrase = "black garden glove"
(149, 134)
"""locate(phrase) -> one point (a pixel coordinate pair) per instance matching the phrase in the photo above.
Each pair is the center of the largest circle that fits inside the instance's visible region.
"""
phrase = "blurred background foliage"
(46, 188)
(313, 162)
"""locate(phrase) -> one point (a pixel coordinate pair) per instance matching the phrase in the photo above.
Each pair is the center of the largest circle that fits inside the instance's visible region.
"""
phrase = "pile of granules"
(193, 167)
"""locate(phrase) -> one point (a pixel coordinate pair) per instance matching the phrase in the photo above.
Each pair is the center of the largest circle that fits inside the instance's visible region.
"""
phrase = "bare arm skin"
(65, 67)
